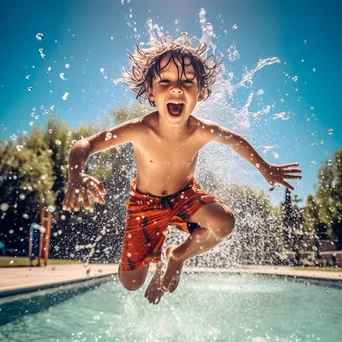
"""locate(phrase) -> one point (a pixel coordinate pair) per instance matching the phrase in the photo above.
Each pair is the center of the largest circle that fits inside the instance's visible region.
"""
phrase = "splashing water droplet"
(39, 36)
(313, 69)
(41, 53)
(330, 131)
(19, 148)
(295, 78)
(61, 75)
(31, 123)
(58, 142)
(312, 163)
(4, 206)
(67, 66)
(51, 208)
(65, 96)
(117, 81)
(176, 21)
(234, 27)
(28, 77)
(29, 88)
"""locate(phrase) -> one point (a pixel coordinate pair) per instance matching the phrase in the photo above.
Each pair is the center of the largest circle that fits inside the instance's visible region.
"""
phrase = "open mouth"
(175, 109)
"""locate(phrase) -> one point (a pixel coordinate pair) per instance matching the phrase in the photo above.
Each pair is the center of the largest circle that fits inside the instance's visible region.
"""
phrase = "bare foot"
(169, 281)
(153, 292)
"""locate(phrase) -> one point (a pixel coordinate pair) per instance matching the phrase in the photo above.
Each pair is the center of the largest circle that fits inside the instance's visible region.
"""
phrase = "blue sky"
(90, 35)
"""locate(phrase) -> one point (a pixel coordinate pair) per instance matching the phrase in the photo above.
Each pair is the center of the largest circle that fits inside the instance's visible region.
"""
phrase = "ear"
(149, 93)
(201, 95)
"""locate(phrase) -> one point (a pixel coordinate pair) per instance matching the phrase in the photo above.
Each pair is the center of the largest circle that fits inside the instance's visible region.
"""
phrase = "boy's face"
(175, 96)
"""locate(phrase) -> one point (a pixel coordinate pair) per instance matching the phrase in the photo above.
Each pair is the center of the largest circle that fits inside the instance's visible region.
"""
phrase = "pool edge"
(35, 288)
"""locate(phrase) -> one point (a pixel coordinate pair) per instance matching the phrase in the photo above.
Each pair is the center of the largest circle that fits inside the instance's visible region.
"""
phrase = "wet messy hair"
(145, 64)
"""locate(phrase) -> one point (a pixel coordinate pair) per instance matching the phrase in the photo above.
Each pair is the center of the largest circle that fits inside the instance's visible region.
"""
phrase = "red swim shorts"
(148, 217)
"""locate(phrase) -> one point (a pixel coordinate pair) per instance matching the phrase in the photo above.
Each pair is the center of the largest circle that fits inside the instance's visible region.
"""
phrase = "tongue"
(175, 109)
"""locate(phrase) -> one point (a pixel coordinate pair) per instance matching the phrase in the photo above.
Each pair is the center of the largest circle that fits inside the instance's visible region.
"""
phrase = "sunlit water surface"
(204, 308)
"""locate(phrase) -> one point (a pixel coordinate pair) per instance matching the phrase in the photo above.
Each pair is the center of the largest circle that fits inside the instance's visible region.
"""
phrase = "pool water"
(205, 307)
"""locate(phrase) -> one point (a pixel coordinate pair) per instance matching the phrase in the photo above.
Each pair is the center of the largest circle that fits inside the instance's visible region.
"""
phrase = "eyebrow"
(166, 73)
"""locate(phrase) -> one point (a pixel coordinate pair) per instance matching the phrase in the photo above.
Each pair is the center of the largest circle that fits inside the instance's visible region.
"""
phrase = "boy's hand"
(79, 189)
(276, 174)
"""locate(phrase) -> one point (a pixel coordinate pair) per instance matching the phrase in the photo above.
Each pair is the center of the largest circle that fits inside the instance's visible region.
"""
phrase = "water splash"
(223, 107)
(39, 36)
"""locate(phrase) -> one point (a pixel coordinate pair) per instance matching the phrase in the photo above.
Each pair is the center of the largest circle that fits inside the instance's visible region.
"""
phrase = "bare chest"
(166, 154)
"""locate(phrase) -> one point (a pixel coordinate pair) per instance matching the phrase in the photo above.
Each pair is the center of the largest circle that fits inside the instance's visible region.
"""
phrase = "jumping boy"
(173, 76)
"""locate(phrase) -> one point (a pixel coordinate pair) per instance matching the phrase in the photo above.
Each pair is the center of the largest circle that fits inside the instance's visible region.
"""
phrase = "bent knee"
(131, 285)
(225, 225)
(133, 280)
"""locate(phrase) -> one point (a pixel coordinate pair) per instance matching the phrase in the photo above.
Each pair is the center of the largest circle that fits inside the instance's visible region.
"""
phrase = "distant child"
(173, 76)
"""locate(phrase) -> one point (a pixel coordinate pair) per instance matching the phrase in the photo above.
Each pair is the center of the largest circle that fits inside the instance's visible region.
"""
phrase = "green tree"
(329, 196)
(25, 183)
(312, 224)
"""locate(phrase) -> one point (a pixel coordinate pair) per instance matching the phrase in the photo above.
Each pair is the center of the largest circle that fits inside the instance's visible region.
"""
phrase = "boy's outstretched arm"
(274, 174)
(80, 185)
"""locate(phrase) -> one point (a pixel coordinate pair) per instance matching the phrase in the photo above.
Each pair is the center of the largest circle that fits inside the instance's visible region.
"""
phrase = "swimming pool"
(205, 307)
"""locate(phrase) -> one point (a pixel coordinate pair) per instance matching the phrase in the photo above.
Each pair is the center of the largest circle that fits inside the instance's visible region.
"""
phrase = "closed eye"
(188, 82)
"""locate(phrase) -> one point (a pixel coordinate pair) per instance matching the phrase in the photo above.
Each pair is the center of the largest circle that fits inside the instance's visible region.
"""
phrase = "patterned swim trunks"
(148, 217)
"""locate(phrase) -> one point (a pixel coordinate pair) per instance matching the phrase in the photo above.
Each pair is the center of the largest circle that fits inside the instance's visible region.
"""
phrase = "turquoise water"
(206, 307)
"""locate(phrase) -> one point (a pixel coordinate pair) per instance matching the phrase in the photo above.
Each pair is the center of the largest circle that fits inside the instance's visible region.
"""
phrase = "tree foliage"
(329, 197)
(25, 183)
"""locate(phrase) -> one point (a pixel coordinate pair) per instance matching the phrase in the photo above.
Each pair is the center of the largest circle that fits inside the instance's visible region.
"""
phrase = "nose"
(176, 90)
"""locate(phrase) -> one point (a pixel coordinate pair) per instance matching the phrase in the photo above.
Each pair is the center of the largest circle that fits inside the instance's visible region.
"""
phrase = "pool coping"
(330, 279)
(37, 288)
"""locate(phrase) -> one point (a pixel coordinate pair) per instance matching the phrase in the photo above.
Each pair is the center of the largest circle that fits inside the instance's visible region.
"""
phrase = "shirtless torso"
(166, 165)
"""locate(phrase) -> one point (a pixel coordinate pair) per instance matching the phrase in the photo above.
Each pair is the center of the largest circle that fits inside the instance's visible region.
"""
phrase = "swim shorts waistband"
(134, 188)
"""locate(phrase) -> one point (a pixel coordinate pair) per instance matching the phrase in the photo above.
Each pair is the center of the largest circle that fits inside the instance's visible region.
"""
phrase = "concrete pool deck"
(14, 280)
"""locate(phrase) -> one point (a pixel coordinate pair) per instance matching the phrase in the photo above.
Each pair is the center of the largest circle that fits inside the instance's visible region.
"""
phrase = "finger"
(86, 202)
(100, 187)
(67, 201)
(102, 200)
(289, 165)
(292, 177)
(75, 201)
(293, 171)
(287, 185)
(66, 194)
